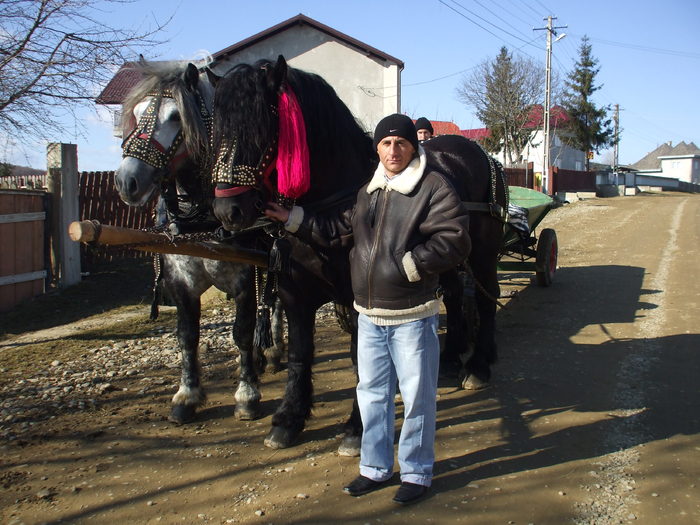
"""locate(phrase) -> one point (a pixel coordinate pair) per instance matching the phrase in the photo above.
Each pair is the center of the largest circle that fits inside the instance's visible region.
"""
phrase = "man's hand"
(276, 212)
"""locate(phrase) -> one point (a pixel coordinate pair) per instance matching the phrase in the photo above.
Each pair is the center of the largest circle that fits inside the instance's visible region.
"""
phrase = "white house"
(681, 162)
(561, 154)
(366, 79)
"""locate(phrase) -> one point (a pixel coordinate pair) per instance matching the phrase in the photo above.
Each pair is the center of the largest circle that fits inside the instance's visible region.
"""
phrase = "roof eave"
(301, 20)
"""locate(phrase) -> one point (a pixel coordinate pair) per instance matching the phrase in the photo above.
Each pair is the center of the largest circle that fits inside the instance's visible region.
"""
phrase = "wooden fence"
(98, 199)
(561, 180)
(23, 240)
(570, 180)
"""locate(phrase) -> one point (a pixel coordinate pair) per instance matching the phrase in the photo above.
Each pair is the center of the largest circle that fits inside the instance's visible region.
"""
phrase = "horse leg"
(247, 394)
(289, 420)
(352, 430)
(190, 395)
(455, 339)
(273, 355)
(477, 369)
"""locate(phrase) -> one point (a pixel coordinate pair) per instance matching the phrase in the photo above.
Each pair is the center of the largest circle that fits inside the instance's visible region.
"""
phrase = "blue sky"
(648, 53)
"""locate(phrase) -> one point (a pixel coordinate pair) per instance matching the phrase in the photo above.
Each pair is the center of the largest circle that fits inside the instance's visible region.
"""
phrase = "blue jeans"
(411, 353)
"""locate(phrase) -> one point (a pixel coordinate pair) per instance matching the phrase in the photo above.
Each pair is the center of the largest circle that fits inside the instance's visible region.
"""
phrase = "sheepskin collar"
(405, 181)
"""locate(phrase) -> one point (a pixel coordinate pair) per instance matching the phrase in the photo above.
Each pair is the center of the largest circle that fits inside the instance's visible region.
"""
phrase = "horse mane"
(332, 131)
(243, 109)
(157, 76)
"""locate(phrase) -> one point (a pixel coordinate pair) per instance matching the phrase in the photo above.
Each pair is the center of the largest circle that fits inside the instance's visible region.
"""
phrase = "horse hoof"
(471, 382)
(247, 412)
(350, 446)
(181, 414)
(280, 438)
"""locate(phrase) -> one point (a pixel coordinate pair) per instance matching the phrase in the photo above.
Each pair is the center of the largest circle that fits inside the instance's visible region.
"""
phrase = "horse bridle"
(242, 177)
(140, 143)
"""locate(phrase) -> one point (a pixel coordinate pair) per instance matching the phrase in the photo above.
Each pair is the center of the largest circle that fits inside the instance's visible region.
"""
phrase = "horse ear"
(191, 76)
(213, 77)
(277, 74)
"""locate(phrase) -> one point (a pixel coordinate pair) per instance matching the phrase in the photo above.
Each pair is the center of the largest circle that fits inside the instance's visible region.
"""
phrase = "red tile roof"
(441, 127)
(120, 85)
(557, 117)
(476, 134)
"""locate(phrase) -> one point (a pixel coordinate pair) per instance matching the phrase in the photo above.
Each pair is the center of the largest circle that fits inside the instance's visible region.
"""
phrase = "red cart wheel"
(546, 261)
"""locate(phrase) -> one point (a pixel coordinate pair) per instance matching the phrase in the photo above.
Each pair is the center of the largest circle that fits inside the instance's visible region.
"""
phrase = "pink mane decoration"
(292, 151)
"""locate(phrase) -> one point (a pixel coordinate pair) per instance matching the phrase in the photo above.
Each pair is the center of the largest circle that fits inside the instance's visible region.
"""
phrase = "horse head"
(165, 123)
(245, 137)
(283, 134)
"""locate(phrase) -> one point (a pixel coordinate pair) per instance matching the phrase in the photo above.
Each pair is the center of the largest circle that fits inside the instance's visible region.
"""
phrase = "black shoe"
(362, 485)
(410, 493)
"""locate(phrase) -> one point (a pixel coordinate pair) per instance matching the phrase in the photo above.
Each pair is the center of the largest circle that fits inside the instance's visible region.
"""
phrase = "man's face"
(424, 134)
(395, 153)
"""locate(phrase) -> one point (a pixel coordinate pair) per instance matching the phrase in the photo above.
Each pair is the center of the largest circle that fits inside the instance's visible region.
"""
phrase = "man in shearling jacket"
(408, 225)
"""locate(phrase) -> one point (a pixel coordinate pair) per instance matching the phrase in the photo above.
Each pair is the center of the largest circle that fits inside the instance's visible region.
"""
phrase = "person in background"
(406, 227)
(424, 129)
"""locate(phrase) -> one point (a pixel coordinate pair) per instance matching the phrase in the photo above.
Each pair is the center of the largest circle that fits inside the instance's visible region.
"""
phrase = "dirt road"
(593, 417)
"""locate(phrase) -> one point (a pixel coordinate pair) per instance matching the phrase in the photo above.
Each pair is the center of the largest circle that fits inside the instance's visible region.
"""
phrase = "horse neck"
(340, 153)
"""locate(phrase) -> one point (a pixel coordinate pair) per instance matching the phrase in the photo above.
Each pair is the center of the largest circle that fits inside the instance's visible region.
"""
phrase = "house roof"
(651, 161)
(443, 127)
(557, 117)
(682, 149)
(476, 134)
(127, 77)
(305, 20)
(122, 82)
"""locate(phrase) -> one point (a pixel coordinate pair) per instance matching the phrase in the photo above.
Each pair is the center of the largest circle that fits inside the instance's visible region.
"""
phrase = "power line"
(638, 47)
(497, 16)
(479, 25)
(546, 9)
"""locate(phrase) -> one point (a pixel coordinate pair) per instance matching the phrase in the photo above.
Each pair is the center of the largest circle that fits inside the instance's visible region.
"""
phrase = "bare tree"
(54, 55)
(502, 93)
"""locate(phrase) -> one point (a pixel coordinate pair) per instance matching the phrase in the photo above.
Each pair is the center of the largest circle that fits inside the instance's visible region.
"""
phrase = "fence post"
(62, 183)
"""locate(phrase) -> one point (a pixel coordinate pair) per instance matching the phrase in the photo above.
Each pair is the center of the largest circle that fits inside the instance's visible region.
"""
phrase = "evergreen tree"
(590, 126)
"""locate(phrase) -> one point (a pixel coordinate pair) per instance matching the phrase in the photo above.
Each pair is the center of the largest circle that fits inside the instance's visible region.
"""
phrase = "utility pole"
(616, 119)
(551, 30)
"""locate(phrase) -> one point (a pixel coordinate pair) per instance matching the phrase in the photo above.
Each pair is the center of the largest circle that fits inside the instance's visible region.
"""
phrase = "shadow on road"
(559, 355)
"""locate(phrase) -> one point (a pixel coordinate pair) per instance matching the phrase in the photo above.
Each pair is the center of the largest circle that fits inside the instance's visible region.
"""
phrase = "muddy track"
(593, 416)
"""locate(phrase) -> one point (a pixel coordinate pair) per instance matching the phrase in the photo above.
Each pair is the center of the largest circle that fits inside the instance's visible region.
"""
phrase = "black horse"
(341, 161)
(165, 124)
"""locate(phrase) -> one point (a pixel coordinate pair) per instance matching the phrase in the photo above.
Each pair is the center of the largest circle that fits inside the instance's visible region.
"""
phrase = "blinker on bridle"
(140, 143)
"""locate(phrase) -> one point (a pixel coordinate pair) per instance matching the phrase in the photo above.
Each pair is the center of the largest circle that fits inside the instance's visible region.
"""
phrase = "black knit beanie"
(396, 125)
(424, 123)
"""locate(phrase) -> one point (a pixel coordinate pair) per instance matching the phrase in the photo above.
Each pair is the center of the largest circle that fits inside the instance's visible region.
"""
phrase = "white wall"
(685, 169)
(369, 86)
(560, 155)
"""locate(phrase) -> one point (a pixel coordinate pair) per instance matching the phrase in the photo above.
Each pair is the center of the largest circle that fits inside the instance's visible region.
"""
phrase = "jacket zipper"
(373, 251)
